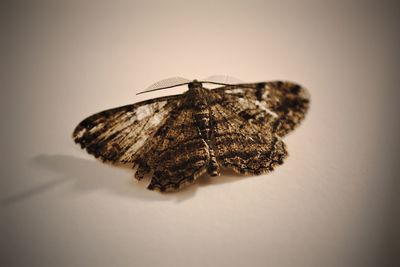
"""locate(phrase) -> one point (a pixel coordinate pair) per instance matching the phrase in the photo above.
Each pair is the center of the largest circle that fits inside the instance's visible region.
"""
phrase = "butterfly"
(178, 138)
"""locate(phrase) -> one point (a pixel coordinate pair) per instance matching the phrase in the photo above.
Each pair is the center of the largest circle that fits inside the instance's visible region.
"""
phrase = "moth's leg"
(142, 170)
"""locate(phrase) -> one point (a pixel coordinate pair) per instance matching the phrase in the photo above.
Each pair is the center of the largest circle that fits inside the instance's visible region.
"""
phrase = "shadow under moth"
(178, 138)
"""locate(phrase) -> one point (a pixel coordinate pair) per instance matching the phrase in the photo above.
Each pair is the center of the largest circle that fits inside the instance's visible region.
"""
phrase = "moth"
(178, 138)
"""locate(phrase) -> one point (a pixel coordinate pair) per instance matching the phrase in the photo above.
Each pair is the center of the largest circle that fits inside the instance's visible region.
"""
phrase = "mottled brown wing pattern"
(281, 105)
(243, 146)
(177, 153)
(116, 135)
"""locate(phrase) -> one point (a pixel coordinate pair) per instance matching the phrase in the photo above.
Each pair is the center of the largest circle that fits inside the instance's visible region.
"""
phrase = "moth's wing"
(225, 79)
(282, 105)
(117, 134)
(169, 82)
(243, 146)
(178, 156)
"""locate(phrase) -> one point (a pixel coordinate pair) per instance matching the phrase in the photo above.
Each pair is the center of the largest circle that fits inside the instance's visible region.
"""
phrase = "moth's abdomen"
(202, 120)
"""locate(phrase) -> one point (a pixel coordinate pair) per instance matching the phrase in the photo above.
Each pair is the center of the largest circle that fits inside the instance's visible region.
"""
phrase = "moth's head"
(195, 84)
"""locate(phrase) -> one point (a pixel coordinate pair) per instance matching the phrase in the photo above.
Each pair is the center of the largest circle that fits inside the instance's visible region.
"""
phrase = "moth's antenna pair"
(162, 88)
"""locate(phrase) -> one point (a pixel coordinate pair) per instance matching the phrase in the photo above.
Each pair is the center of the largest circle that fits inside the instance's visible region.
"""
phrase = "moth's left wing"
(278, 106)
(118, 134)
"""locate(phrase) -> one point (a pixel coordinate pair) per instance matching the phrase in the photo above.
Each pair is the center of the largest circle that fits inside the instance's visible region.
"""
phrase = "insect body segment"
(202, 117)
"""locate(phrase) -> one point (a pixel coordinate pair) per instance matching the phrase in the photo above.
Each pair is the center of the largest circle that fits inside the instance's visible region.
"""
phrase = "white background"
(326, 206)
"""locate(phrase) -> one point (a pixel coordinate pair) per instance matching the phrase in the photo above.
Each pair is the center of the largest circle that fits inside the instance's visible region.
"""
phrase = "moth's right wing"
(279, 106)
(118, 134)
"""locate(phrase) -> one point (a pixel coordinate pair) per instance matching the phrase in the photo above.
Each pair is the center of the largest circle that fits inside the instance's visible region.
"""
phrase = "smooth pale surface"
(328, 205)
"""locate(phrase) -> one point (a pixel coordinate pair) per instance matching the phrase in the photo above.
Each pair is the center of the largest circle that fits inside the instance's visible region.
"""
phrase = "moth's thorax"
(194, 84)
(197, 95)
